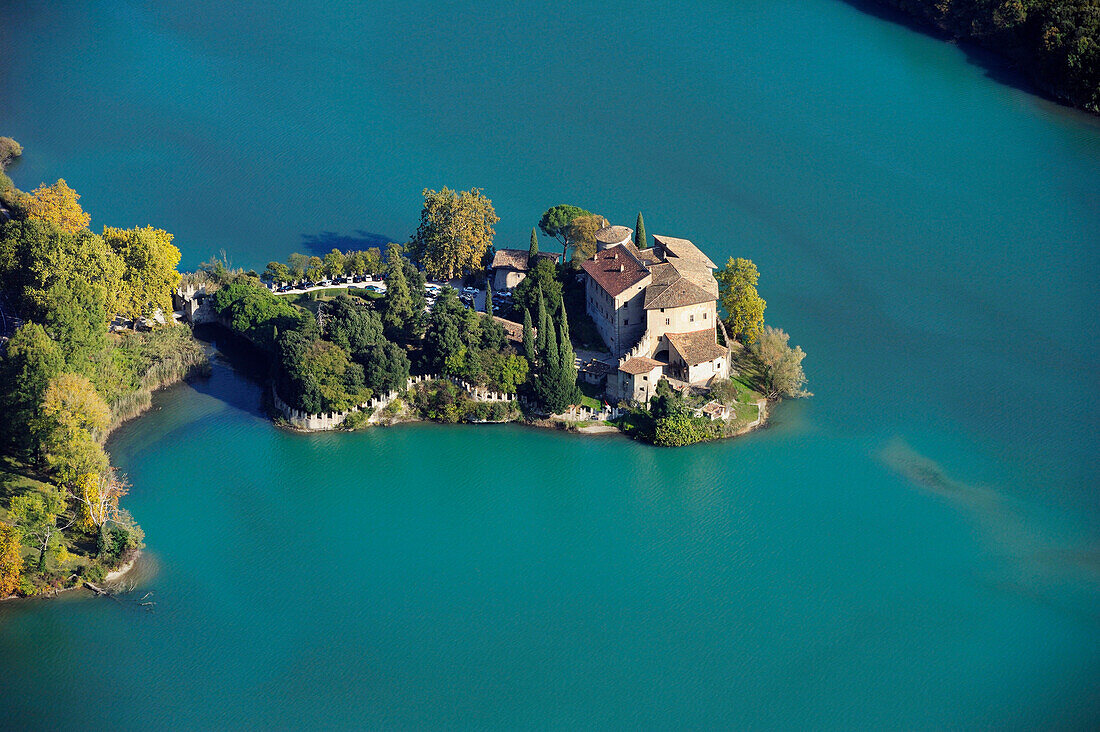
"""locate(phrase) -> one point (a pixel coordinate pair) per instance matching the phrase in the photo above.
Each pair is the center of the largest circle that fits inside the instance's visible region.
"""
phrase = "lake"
(916, 546)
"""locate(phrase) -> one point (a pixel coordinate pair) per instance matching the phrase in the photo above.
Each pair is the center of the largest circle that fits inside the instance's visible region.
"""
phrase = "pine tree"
(534, 250)
(640, 239)
(529, 348)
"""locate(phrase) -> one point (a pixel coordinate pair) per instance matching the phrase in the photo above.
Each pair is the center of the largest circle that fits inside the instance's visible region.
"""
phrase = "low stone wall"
(580, 413)
(331, 420)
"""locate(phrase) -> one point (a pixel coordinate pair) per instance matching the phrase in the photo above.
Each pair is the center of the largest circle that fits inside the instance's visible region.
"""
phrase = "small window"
(626, 321)
(666, 321)
(691, 318)
(704, 316)
(645, 378)
(662, 310)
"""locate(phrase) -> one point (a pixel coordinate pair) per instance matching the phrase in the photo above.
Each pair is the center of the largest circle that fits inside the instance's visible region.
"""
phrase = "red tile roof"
(640, 365)
(698, 346)
(517, 259)
(614, 269)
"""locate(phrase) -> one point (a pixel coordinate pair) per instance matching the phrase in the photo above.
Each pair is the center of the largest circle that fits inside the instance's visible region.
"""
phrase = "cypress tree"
(550, 375)
(489, 299)
(544, 325)
(568, 369)
(640, 239)
(534, 250)
(568, 357)
(529, 339)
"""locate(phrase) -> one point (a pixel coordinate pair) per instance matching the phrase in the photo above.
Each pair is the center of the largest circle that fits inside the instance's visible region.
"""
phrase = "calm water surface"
(916, 546)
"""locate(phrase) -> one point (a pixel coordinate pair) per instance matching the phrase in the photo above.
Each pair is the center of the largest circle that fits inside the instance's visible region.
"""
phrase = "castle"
(657, 310)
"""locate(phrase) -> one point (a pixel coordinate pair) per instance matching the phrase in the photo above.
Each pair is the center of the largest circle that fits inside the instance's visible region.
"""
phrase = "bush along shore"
(87, 336)
(342, 354)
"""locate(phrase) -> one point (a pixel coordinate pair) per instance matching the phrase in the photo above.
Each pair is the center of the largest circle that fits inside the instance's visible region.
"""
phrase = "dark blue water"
(916, 546)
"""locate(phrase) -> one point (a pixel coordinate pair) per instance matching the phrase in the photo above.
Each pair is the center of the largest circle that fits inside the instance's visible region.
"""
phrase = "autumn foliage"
(58, 204)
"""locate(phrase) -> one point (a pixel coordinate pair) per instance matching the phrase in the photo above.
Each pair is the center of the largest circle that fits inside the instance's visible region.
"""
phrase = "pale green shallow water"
(926, 233)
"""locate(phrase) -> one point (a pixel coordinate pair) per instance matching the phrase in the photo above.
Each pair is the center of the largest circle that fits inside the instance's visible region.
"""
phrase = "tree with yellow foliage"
(97, 496)
(71, 416)
(455, 232)
(11, 559)
(73, 403)
(149, 261)
(581, 234)
(56, 203)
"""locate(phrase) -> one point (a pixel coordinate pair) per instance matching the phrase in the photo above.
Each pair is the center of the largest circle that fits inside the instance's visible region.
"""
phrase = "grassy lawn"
(592, 395)
(311, 301)
(14, 482)
(746, 412)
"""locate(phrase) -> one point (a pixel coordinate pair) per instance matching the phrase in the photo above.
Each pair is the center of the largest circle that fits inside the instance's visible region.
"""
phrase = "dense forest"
(68, 378)
(1057, 42)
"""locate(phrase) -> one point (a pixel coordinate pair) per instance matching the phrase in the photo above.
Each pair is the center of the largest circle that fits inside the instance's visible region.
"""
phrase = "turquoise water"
(916, 546)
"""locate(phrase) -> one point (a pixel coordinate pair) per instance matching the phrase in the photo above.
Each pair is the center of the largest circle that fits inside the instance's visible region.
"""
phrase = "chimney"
(622, 267)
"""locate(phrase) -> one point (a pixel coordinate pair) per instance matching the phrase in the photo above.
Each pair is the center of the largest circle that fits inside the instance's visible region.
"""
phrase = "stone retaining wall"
(331, 420)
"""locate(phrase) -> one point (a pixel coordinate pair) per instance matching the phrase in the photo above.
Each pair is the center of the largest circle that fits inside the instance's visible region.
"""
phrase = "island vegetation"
(331, 350)
(1056, 42)
(93, 337)
(85, 342)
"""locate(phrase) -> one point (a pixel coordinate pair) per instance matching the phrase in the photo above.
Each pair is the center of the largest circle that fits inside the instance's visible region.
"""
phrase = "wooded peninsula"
(617, 331)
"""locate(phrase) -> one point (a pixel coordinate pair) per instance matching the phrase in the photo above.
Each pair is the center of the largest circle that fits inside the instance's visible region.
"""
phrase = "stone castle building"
(657, 310)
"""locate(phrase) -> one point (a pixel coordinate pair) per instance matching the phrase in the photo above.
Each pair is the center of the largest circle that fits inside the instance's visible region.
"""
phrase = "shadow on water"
(996, 66)
(248, 365)
(324, 242)
(1042, 563)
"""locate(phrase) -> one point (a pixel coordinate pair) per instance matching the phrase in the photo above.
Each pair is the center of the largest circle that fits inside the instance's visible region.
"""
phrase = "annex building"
(656, 309)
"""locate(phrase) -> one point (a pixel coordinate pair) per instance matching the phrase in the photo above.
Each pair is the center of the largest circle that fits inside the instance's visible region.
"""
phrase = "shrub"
(355, 420)
(94, 572)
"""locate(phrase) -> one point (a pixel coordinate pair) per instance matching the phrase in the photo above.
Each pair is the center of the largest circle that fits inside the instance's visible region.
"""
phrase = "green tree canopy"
(543, 277)
(75, 317)
(403, 306)
(335, 262)
(37, 254)
(256, 313)
(351, 324)
(277, 272)
(385, 367)
(555, 221)
(31, 361)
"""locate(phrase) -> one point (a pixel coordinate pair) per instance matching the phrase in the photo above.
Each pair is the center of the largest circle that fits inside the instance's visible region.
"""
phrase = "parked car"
(470, 290)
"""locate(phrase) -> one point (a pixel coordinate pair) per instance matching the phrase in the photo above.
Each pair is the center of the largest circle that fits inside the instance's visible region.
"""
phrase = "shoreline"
(578, 427)
(112, 576)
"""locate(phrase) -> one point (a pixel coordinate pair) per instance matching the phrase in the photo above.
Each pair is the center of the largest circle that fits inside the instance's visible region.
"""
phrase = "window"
(666, 321)
(704, 316)
(626, 321)
(662, 310)
(645, 378)
(691, 318)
